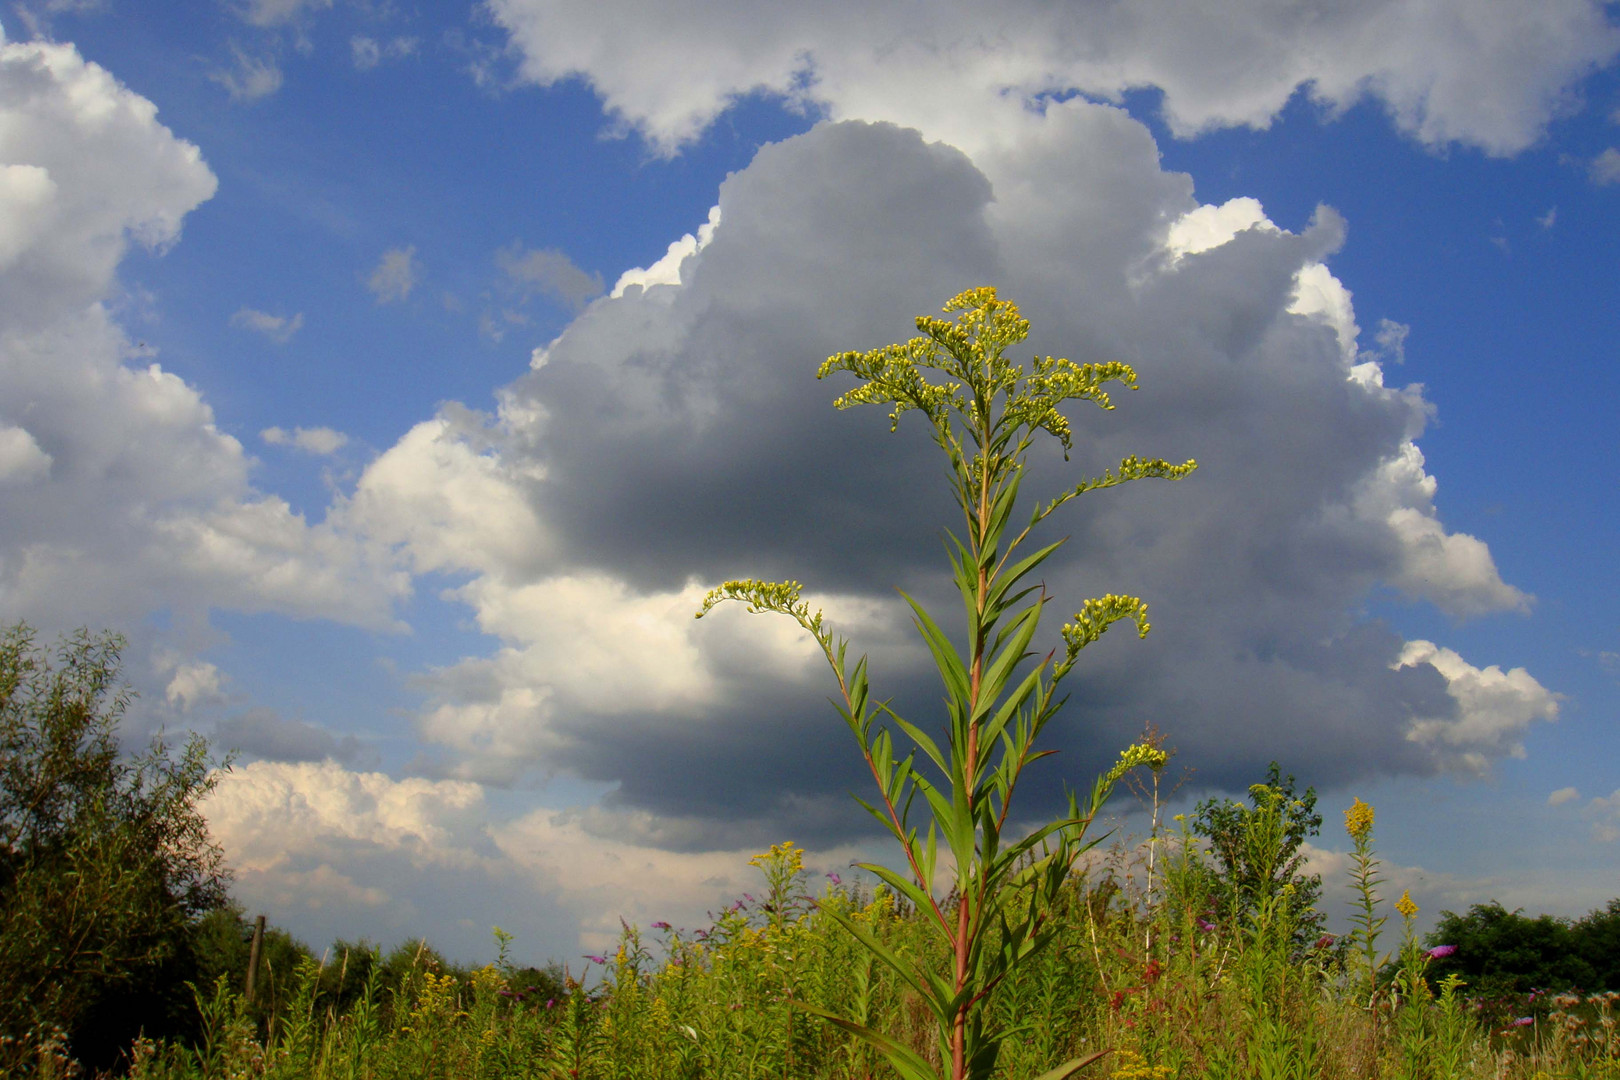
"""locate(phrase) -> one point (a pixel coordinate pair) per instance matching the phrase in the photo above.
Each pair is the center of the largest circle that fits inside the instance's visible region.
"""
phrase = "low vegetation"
(1154, 974)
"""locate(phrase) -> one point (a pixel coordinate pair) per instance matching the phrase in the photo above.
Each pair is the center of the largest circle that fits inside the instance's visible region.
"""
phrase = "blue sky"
(396, 393)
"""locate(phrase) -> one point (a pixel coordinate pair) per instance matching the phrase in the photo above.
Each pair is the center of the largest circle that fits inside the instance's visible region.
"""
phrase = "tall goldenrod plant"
(985, 415)
(1366, 922)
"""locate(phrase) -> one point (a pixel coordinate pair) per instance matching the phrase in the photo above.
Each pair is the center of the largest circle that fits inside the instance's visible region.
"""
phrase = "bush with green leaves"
(1258, 856)
(105, 859)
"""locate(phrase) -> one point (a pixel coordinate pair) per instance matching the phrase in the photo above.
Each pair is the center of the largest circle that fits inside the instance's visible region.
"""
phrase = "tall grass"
(1167, 991)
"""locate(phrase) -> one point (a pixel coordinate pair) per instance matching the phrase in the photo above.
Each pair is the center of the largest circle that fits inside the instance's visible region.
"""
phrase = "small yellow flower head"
(785, 855)
(1138, 754)
(1358, 821)
(1405, 905)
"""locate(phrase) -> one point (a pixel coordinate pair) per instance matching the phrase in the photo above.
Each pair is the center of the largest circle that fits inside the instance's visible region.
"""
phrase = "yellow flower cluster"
(1405, 905)
(1358, 820)
(1138, 754)
(437, 998)
(488, 979)
(784, 855)
(1132, 1066)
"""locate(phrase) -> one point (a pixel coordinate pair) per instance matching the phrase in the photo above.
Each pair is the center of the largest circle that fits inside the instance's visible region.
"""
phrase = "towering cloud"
(674, 435)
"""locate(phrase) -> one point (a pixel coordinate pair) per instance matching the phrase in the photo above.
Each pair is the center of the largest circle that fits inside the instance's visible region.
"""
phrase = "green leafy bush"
(105, 860)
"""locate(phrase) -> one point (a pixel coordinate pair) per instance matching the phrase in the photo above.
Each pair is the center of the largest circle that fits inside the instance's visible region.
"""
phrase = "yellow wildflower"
(1405, 905)
(1358, 820)
(785, 855)
(1138, 754)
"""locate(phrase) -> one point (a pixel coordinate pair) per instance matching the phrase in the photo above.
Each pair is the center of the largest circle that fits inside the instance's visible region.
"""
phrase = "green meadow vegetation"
(991, 951)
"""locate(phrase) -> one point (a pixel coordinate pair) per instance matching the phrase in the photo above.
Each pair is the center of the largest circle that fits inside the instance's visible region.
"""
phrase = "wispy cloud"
(369, 52)
(320, 440)
(268, 13)
(1563, 795)
(395, 275)
(1605, 817)
(278, 328)
(550, 272)
(251, 78)
(1605, 168)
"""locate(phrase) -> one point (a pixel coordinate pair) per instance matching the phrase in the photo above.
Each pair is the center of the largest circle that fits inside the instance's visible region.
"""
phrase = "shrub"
(105, 860)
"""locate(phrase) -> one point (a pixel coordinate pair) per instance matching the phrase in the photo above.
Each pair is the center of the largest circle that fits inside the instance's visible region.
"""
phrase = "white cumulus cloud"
(21, 459)
(357, 853)
(667, 269)
(1490, 73)
(1494, 707)
(122, 494)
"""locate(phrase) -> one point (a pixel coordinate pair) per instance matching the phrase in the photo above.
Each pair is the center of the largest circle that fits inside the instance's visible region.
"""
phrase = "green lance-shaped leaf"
(945, 657)
(1008, 578)
(934, 991)
(905, 1061)
(1010, 707)
(921, 738)
(1069, 1068)
(1021, 632)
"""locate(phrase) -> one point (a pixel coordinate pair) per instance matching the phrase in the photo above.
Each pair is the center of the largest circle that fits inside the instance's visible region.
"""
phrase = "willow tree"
(985, 415)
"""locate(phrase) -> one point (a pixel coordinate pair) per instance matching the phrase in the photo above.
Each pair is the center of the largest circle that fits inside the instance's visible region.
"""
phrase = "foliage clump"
(106, 864)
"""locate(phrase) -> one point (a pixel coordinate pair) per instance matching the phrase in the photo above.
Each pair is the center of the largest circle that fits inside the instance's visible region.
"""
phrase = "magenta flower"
(551, 1003)
(1440, 952)
(1523, 1021)
(597, 959)
(836, 880)
(1205, 925)
(660, 925)
(1323, 942)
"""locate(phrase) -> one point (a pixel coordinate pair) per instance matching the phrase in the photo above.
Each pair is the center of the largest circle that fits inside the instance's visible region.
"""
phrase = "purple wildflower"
(836, 880)
(506, 993)
(597, 959)
(1440, 952)
(1324, 941)
(1523, 1021)
(660, 925)
(748, 898)
(1205, 925)
(551, 1003)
